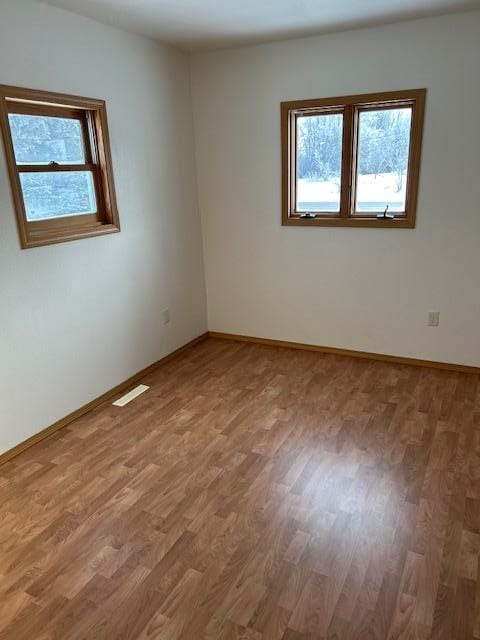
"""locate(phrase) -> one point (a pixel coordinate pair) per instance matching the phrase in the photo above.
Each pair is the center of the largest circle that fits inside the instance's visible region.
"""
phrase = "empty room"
(239, 320)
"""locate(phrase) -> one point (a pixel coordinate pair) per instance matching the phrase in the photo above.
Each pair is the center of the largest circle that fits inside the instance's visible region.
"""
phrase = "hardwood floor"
(254, 493)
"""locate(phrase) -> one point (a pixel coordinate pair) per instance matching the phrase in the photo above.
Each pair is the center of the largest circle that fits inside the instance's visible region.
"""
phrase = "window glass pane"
(319, 162)
(58, 193)
(44, 139)
(383, 148)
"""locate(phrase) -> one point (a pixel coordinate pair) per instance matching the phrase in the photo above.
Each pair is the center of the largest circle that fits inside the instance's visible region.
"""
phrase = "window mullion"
(347, 160)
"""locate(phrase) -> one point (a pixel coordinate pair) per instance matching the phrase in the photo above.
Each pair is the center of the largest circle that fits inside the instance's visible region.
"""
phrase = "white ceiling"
(208, 24)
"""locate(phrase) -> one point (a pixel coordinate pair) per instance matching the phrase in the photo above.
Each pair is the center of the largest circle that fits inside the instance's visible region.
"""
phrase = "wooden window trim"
(93, 117)
(350, 106)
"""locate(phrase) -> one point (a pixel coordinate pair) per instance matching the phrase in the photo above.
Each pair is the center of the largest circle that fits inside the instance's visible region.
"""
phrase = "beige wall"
(352, 288)
(78, 318)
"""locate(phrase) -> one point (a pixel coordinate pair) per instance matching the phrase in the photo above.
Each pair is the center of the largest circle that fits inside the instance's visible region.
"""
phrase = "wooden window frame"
(350, 107)
(92, 115)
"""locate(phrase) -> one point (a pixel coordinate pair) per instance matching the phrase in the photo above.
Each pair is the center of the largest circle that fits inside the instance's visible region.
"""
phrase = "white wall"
(78, 318)
(367, 289)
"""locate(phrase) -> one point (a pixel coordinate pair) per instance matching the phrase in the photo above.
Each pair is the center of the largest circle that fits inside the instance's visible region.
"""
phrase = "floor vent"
(131, 395)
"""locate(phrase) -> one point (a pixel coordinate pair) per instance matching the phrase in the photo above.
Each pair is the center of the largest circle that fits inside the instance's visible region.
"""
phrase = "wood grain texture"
(117, 390)
(253, 493)
(416, 362)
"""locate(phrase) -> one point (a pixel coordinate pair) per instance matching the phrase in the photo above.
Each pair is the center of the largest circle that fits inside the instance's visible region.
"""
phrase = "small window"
(352, 161)
(58, 156)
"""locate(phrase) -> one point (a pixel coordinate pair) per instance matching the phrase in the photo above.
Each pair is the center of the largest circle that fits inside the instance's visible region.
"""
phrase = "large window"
(58, 156)
(352, 161)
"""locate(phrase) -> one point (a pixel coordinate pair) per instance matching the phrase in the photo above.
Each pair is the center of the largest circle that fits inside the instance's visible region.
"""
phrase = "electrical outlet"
(166, 316)
(433, 318)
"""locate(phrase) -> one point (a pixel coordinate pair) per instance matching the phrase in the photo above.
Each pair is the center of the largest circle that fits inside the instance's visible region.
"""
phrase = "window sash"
(54, 111)
(295, 115)
(410, 104)
(76, 220)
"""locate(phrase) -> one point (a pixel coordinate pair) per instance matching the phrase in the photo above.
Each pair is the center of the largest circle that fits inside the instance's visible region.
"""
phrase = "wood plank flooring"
(253, 493)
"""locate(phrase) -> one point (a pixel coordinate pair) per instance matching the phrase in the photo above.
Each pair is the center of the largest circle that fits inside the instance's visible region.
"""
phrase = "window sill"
(396, 223)
(42, 239)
